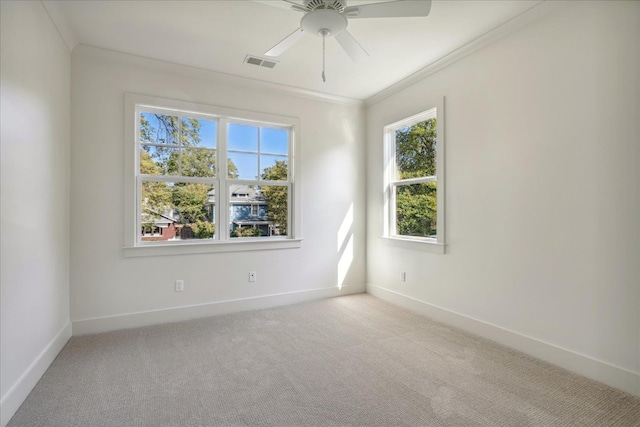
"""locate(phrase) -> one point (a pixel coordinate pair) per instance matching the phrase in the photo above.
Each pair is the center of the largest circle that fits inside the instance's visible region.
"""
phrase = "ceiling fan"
(329, 18)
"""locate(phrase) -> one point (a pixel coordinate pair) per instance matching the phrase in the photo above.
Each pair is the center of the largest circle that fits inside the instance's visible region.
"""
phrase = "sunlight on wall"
(345, 228)
(345, 246)
(347, 128)
(345, 261)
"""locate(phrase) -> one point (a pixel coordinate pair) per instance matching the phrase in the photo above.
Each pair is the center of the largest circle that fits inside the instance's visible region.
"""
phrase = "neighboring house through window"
(204, 174)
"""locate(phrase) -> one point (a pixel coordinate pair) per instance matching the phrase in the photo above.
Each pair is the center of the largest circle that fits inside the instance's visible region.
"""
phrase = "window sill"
(416, 244)
(179, 248)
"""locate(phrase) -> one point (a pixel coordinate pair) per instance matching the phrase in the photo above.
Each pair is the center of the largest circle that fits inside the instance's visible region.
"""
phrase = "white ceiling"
(218, 35)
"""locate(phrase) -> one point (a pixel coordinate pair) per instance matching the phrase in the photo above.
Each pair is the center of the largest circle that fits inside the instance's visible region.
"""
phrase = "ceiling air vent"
(254, 60)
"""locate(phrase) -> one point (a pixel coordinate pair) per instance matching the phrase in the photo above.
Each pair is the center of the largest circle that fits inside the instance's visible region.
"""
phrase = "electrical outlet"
(179, 285)
(252, 276)
(403, 276)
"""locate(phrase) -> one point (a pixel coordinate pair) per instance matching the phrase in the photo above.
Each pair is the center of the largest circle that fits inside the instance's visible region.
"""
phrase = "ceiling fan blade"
(283, 4)
(391, 9)
(351, 46)
(286, 43)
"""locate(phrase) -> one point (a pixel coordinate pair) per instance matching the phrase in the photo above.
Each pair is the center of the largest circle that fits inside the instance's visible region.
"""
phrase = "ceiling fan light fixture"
(326, 21)
(328, 18)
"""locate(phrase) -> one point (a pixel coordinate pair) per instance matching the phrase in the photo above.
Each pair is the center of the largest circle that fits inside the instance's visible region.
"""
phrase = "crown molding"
(212, 75)
(530, 15)
(61, 23)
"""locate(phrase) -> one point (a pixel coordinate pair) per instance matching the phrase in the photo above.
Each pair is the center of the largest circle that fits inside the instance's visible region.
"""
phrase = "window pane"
(274, 168)
(207, 133)
(245, 164)
(198, 162)
(242, 137)
(416, 150)
(158, 128)
(258, 211)
(157, 160)
(157, 212)
(176, 211)
(274, 141)
(149, 165)
(416, 209)
(189, 132)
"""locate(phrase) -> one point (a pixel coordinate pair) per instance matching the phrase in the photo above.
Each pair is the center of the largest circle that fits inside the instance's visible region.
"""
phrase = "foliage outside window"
(208, 178)
(177, 167)
(414, 178)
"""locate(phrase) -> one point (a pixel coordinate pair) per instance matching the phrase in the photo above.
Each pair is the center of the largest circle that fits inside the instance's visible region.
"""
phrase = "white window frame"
(437, 244)
(133, 246)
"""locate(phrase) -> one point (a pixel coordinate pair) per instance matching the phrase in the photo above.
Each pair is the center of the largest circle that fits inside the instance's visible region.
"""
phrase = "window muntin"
(176, 145)
(254, 150)
(414, 178)
(179, 176)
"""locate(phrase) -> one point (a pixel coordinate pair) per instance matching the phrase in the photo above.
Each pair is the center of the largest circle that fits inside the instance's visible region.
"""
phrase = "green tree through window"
(412, 144)
(200, 172)
(276, 196)
(415, 154)
(172, 145)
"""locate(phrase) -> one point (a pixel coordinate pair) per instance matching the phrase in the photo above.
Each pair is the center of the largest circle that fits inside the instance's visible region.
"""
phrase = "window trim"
(436, 245)
(132, 247)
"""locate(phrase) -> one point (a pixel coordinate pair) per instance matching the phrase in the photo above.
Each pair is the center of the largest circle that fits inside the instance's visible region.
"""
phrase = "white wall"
(35, 123)
(542, 196)
(107, 288)
(542, 219)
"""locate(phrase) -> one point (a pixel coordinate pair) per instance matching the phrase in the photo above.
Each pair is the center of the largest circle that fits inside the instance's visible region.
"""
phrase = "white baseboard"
(12, 400)
(178, 314)
(581, 364)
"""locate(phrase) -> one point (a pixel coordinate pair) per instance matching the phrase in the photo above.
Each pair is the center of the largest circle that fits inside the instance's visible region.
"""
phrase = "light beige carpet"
(352, 360)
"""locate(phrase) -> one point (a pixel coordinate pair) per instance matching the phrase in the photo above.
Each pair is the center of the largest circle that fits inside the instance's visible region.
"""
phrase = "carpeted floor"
(353, 360)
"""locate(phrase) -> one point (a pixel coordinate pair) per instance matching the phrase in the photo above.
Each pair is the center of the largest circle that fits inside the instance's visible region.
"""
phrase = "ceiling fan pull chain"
(324, 79)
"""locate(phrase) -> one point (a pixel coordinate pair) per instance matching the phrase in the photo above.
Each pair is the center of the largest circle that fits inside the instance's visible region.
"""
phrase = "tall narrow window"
(259, 183)
(414, 181)
(177, 171)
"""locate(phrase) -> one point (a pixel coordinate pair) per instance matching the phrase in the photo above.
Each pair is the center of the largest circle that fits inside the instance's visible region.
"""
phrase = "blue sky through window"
(273, 145)
(251, 148)
(158, 134)
(247, 164)
(243, 137)
(208, 133)
(274, 141)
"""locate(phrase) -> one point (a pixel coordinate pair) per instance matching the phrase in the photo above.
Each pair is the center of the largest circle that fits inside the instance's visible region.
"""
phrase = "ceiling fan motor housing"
(337, 5)
(324, 22)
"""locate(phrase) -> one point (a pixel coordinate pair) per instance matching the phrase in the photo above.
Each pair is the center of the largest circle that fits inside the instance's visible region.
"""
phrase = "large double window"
(208, 175)
(414, 178)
